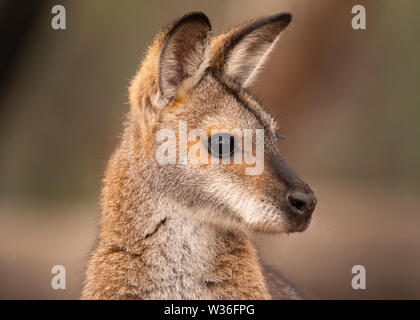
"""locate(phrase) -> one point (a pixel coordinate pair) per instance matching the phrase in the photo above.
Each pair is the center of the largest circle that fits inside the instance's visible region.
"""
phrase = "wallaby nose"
(302, 203)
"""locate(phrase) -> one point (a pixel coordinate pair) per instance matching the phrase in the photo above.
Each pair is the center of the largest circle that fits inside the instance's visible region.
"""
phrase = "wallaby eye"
(221, 145)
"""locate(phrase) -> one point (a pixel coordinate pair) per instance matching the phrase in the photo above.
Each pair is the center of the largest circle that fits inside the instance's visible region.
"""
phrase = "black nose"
(302, 203)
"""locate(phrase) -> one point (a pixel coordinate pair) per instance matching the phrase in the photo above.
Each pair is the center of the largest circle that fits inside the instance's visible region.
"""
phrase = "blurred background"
(347, 100)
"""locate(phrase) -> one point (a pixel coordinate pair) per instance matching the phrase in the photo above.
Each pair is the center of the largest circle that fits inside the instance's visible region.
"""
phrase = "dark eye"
(221, 145)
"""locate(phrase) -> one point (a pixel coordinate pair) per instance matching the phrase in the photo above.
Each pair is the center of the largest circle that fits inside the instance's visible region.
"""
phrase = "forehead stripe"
(235, 94)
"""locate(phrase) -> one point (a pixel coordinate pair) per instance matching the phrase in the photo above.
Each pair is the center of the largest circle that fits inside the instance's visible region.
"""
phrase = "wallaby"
(184, 230)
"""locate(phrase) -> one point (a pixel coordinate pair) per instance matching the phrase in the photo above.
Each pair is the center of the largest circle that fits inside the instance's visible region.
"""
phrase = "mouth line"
(300, 226)
(292, 222)
(286, 226)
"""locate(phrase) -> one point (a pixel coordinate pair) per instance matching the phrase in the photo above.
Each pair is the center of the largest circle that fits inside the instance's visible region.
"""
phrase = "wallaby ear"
(183, 54)
(244, 50)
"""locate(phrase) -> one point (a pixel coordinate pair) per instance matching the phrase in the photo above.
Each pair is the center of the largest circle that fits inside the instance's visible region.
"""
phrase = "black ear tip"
(285, 17)
(196, 16)
(282, 19)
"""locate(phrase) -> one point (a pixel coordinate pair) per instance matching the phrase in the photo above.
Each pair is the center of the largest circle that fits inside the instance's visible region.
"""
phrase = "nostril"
(299, 204)
(302, 202)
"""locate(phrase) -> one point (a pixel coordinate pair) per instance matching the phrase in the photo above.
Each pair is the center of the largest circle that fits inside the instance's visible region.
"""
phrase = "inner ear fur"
(245, 49)
(182, 59)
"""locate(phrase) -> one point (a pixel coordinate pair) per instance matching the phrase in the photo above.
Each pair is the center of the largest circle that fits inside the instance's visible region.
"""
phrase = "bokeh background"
(347, 100)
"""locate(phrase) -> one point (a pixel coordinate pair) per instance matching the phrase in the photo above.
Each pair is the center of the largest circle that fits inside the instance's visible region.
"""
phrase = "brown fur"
(167, 232)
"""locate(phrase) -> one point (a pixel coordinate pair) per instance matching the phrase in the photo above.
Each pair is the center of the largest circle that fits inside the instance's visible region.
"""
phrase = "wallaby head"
(193, 84)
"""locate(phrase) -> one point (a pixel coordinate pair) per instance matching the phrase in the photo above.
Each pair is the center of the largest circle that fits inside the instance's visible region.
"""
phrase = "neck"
(176, 252)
